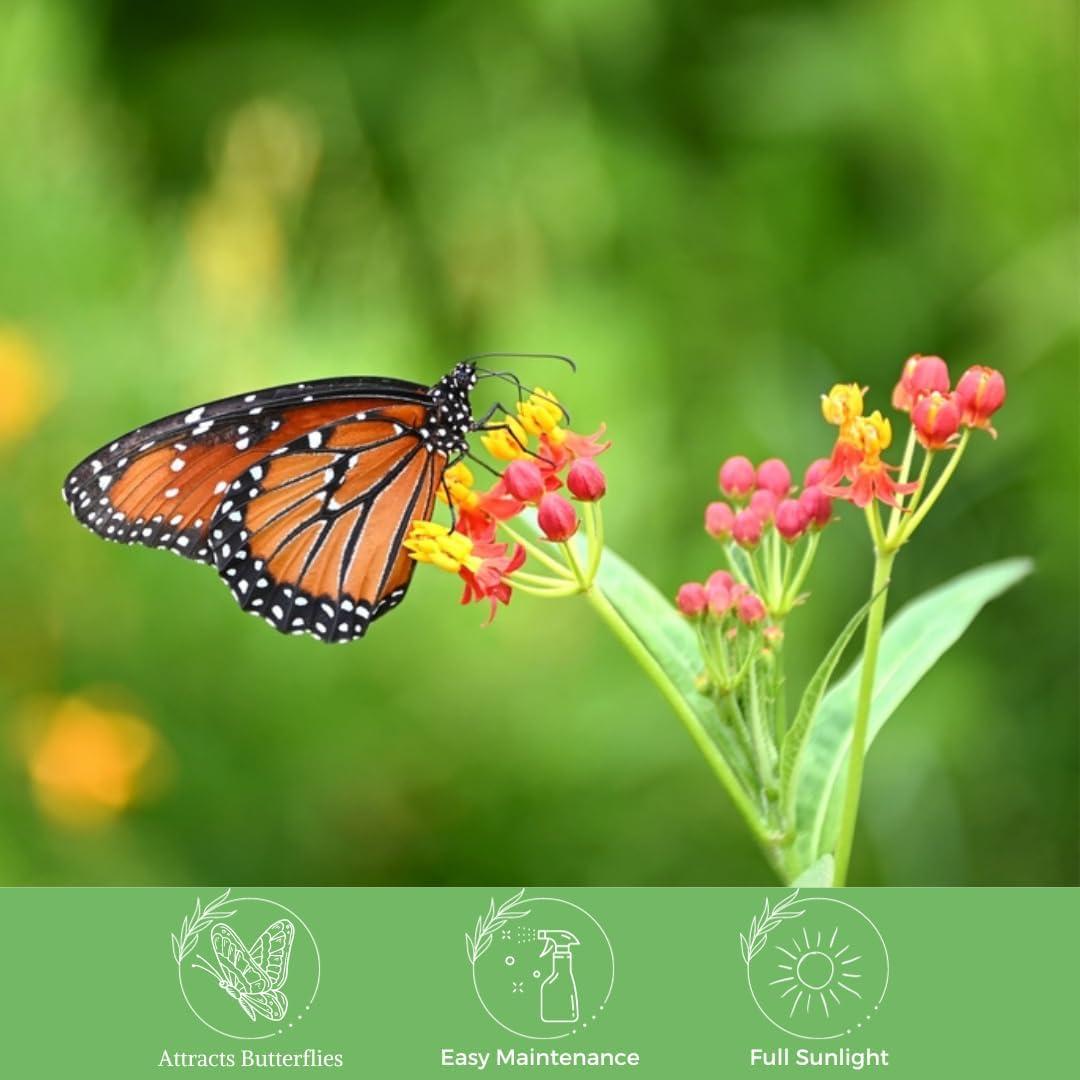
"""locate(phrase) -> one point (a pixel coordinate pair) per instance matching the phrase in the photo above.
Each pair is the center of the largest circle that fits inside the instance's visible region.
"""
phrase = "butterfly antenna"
(505, 376)
(523, 356)
(514, 381)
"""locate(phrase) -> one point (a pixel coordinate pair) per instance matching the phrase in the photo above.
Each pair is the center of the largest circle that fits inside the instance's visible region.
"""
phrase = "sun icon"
(815, 968)
(821, 977)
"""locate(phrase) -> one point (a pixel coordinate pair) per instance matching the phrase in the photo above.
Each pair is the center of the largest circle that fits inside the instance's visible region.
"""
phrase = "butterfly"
(300, 496)
(253, 977)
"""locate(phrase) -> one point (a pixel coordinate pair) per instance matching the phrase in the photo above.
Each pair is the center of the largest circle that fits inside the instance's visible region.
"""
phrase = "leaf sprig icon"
(769, 920)
(477, 943)
(196, 923)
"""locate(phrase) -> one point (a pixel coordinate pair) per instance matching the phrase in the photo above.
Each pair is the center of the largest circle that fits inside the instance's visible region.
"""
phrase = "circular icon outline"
(314, 991)
(607, 995)
(884, 950)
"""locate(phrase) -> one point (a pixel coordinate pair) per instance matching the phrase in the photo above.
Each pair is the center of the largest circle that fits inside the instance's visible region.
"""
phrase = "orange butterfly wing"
(311, 537)
(314, 484)
(299, 495)
(160, 485)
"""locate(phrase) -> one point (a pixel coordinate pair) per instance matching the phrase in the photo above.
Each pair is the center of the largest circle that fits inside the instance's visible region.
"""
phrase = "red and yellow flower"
(531, 477)
(936, 419)
(980, 393)
(483, 566)
(859, 447)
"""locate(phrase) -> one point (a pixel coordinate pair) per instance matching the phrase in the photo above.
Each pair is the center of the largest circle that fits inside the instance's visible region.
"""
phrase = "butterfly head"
(450, 418)
(463, 376)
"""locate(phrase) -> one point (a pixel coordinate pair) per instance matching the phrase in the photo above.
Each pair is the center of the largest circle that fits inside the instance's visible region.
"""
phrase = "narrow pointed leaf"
(664, 632)
(915, 638)
(795, 739)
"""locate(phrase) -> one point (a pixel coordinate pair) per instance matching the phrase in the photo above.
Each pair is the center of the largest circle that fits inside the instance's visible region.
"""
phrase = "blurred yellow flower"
(87, 763)
(237, 249)
(24, 394)
(272, 146)
(267, 158)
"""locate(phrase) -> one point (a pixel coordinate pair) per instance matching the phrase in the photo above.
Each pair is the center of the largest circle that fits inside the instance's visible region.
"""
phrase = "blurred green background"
(720, 210)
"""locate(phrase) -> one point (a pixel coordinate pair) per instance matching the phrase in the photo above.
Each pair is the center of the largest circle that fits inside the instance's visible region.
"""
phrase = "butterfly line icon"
(253, 977)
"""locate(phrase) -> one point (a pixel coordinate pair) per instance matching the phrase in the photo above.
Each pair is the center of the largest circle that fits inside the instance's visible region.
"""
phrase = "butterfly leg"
(446, 491)
(483, 424)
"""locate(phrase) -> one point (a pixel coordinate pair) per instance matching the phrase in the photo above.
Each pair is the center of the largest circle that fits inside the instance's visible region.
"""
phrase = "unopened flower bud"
(691, 599)
(719, 517)
(558, 520)
(751, 609)
(737, 476)
(719, 579)
(936, 419)
(792, 519)
(818, 506)
(763, 503)
(920, 375)
(586, 480)
(773, 475)
(816, 471)
(980, 393)
(523, 480)
(718, 596)
(747, 528)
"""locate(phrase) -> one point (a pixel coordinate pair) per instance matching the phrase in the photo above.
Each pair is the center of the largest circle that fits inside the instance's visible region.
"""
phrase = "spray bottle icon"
(558, 992)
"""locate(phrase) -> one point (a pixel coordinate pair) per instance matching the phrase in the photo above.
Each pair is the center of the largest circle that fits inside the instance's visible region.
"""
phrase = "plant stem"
(792, 593)
(763, 747)
(550, 591)
(572, 560)
(924, 473)
(905, 468)
(928, 504)
(779, 695)
(775, 573)
(539, 579)
(875, 621)
(873, 520)
(540, 556)
(637, 649)
(594, 532)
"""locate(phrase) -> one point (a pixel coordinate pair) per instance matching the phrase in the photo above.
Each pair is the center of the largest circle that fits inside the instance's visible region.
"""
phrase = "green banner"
(441, 982)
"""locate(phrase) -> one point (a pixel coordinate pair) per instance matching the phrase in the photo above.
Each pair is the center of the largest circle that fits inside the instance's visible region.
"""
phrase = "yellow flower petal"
(507, 443)
(842, 404)
(429, 542)
(541, 413)
(458, 480)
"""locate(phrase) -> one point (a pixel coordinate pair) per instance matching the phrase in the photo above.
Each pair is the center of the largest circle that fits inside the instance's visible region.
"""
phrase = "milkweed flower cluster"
(769, 527)
(549, 472)
(941, 419)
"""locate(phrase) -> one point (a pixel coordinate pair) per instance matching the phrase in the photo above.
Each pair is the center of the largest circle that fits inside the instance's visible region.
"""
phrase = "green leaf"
(795, 739)
(819, 875)
(666, 647)
(660, 628)
(913, 641)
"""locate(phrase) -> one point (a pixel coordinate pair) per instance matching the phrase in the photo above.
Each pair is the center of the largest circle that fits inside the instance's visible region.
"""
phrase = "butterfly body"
(300, 496)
